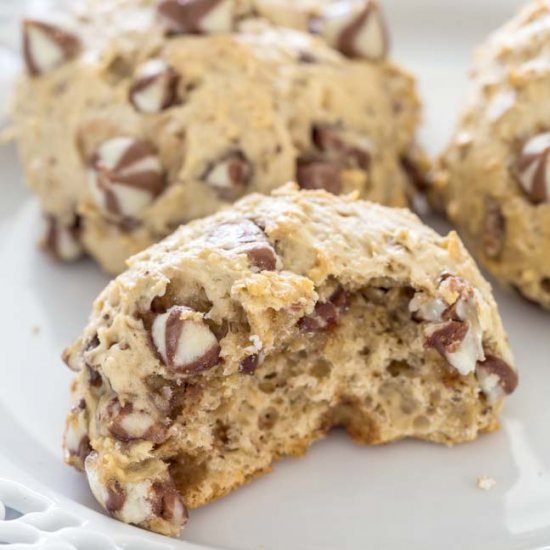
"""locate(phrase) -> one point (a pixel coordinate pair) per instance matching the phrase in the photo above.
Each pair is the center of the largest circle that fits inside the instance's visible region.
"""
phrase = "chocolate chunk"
(46, 46)
(185, 343)
(196, 16)
(533, 170)
(319, 174)
(125, 176)
(154, 87)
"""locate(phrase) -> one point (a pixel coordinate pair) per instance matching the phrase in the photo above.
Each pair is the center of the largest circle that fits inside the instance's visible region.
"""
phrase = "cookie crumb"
(35, 329)
(485, 483)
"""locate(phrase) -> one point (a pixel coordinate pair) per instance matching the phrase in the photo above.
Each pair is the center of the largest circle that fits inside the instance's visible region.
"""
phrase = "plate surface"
(341, 495)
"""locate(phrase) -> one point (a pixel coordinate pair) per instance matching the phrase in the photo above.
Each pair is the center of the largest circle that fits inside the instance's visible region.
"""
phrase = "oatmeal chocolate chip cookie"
(494, 179)
(247, 335)
(141, 115)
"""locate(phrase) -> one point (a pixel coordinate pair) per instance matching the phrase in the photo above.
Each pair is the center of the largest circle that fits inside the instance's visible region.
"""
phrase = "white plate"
(341, 495)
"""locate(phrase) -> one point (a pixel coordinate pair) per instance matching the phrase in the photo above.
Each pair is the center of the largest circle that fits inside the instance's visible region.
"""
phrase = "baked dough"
(494, 179)
(247, 335)
(137, 116)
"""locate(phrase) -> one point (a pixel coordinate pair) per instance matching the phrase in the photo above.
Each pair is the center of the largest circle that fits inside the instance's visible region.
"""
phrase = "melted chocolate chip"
(448, 339)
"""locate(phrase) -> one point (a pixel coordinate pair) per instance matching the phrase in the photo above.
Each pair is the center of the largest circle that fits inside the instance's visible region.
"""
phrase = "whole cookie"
(494, 179)
(141, 115)
(247, 335)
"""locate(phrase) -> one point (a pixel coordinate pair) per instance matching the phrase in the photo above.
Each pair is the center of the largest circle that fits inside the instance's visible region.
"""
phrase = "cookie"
(144, 115)
(493, 180)
(247, 335)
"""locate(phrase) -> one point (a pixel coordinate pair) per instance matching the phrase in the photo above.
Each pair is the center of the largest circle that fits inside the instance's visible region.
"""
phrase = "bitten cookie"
(143, 115)
(247, 335)
(494, 179)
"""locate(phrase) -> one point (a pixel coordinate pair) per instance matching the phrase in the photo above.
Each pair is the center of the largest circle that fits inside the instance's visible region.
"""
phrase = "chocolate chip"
(343, 145)
(116, 496)
(229, 176)
(496, 376)
(545, 284)
(326, 314)
(494, 228)
(356, 30)
(125, 176)
(245, 237)
(166, 502)
(319, 174)
(126, 423)
(62, 241)
(532, 168)
(184, 342)
(154, 87)
(196, 16)
(46, 46)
